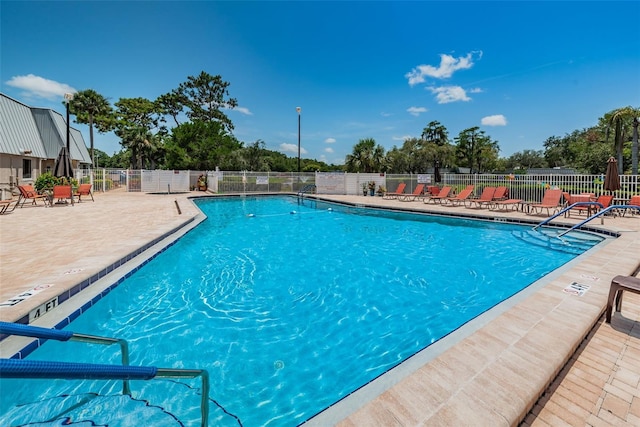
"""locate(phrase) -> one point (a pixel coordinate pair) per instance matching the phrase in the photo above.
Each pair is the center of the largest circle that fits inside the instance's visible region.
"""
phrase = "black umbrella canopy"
(63, 167)
(611, 178)
(436, 172)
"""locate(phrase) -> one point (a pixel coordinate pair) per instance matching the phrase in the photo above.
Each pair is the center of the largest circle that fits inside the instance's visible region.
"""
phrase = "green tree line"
(586, 150)
(187, 128)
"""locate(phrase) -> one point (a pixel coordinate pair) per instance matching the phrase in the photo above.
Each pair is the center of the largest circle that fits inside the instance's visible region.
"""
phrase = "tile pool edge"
(74, 301)
(459, 215)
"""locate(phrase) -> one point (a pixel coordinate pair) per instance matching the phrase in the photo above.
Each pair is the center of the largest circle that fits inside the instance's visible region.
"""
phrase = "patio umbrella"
(611, 178)
(63, 167)
(436, 172)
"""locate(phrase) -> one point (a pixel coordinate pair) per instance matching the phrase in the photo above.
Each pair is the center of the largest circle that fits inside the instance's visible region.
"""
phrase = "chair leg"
(619, 284)
(619, 299)
(613, 291)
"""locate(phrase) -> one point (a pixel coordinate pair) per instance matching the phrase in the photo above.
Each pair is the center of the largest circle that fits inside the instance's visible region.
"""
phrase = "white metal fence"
(525, 187)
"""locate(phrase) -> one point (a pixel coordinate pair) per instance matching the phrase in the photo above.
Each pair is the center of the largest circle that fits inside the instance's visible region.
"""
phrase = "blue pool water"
(291, 307)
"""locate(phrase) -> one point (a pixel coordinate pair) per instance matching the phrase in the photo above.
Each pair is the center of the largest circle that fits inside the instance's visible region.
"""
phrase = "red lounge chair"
(635, 201)
(501, 193)
(84, 190)
(503, 205)
(443, 194)
(399, 191)
(486, 198)
(61, 193)
(551, 200)
(433, 190)
(27, 192)
(417, 192)
(577, 198)
(605, 200)
(461, 197)
(6, 204)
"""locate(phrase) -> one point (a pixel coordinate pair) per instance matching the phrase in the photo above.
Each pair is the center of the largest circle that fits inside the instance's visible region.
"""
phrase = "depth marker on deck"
(576, 289)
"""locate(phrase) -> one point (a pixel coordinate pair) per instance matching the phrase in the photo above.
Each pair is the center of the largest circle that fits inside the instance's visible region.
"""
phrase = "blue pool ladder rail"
(19, 368)
(60, 335)
(580, 224)
(568, 208)
(602, 212)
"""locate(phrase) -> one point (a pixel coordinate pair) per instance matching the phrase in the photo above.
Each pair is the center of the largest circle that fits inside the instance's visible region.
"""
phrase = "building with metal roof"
(30, 141)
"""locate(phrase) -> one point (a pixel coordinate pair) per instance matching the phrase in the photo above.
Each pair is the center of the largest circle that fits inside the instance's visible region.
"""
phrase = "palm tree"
(141, 143)
(87, 105)
(366, 157)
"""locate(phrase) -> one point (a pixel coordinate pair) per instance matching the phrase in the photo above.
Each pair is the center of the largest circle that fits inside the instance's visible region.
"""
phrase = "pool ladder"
(594, 216)
(307, 189)
(20, 368)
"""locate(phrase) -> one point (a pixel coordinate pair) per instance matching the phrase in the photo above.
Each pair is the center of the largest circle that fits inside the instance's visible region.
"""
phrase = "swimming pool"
(306, 304)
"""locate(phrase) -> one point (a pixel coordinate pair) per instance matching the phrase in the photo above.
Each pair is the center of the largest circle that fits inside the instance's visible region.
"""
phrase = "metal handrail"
(546, 221)
(60, 335)
(602, 212)
(18, 368)
(306, 189)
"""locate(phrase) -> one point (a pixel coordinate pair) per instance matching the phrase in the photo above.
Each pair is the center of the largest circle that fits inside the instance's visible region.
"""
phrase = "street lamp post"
(68, 97)
(299, 110)
(634, 148)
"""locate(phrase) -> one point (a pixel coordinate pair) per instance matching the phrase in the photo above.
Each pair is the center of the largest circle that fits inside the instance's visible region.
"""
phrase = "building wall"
(12, 173)
(35, 135)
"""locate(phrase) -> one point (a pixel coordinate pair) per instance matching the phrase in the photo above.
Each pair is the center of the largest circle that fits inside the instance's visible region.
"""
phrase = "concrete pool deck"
(493, 377)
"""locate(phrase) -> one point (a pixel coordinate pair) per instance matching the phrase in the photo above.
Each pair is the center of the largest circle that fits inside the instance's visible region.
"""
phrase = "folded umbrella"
(63, 167)
(611, 178)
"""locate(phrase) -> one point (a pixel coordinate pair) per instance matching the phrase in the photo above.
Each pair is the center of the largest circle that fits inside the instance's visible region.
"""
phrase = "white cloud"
(401, 138)
(415, 111)
(40, 87)
(448, 65)
(292, 148)
(330, 141)
(383, 114)
(495, 120)
(446, 94)
(328, 150)
(243, 110)
(476, 90)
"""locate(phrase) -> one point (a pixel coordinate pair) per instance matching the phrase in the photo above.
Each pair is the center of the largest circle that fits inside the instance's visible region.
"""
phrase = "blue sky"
(521, 71)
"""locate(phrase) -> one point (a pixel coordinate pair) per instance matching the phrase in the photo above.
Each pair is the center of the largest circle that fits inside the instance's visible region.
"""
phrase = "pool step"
(568, 244)
(89, 410)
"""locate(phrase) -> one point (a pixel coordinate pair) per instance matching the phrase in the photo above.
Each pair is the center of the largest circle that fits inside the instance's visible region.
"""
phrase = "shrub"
(46, 181)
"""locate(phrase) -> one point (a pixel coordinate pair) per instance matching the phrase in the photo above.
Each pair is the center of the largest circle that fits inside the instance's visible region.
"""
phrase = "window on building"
(26, 168)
